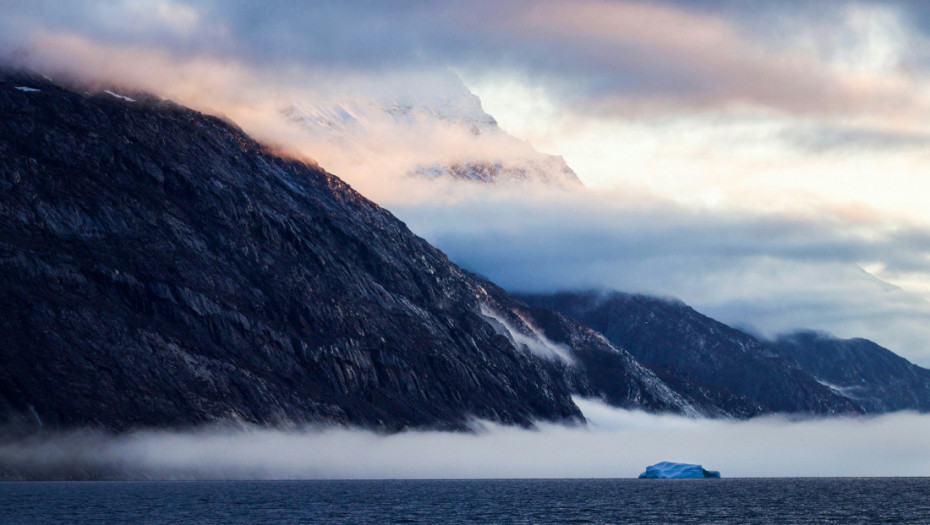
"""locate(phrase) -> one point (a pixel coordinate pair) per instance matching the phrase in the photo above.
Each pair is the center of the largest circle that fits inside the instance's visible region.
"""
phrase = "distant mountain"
(709, 363)
(873, 376)
(160, 268)
(439, 130)
(600, 369)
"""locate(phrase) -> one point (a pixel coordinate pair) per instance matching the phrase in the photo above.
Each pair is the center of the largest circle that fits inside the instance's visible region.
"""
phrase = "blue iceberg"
(669, 470)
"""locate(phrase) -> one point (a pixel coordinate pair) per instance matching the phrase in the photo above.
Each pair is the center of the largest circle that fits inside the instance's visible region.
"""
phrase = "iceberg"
(670, 470)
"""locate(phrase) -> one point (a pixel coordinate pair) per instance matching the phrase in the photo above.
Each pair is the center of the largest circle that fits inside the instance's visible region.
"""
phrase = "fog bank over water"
(615, 444)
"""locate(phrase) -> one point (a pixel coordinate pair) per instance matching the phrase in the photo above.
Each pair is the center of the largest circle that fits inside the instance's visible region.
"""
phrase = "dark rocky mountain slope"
(601, 369)
(159, 268)
(708, 362)
(875, 377)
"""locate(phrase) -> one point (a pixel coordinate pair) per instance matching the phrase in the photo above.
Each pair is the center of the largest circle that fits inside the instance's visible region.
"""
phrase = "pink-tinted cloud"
(617, 56)
(678, 57)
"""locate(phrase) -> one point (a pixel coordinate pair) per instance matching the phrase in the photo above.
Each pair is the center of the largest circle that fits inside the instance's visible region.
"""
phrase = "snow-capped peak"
(436, 128)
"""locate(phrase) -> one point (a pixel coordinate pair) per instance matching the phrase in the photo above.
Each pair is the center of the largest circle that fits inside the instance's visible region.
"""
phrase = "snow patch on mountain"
(548, 169)
(535, 341)
(852, 392)
(117, 95)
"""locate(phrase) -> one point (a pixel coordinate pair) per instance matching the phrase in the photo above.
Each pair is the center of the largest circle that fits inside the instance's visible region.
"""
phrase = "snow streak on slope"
(536, 342)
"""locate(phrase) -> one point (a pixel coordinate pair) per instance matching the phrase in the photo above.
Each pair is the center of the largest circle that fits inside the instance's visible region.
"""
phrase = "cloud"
(617, 444)
(768, 272)
(668, 55)
(620, 56)
(824, 138)
(393, 128)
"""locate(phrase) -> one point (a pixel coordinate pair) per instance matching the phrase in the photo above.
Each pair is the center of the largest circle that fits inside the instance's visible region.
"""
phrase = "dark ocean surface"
(803, 500)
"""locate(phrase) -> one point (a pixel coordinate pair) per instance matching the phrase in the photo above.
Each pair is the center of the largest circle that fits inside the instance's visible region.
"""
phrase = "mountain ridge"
(164, 269)
(167, 270)
(695, 349)
(702, 354)
(872, 375)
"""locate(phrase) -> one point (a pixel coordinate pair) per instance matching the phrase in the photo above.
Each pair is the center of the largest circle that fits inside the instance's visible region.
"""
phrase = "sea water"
(743, 501)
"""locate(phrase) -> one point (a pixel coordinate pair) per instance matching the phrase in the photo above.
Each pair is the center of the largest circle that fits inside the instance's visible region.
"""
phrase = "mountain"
(160, 268)
(875, 377)
(439, 129)
(598, 368)
(708, 362)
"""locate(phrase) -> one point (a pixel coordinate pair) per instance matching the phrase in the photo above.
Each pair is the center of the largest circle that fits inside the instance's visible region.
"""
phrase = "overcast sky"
(765, 162)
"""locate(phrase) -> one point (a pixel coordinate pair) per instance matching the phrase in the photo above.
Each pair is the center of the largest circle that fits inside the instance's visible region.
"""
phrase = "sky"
(764, 162)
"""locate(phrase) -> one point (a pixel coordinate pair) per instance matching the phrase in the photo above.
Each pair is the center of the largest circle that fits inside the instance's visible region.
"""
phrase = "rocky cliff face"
(159, 268)
(717, 367)
(875, 377)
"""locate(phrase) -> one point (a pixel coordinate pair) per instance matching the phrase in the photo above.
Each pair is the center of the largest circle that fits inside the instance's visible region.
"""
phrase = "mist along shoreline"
(616, 444)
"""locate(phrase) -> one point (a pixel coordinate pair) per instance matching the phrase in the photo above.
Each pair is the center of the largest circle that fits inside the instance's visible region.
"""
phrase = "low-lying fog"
(615, 444)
